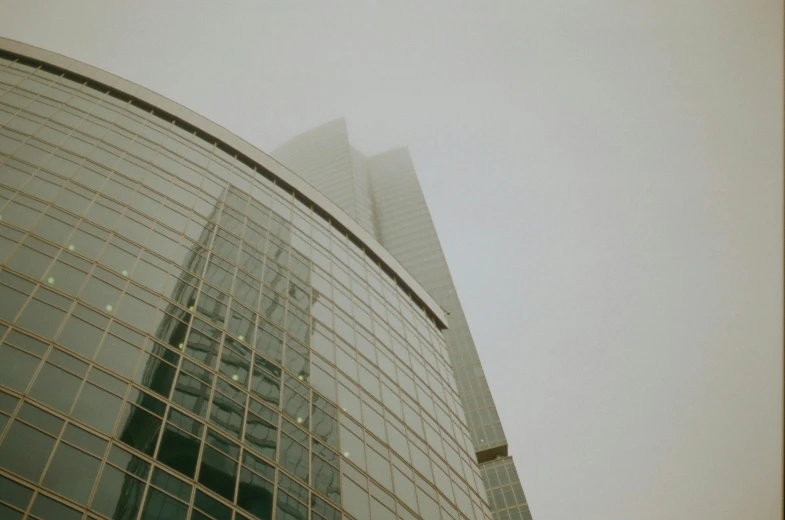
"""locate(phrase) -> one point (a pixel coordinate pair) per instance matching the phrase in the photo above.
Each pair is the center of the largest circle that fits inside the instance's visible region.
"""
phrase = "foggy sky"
(606, 180)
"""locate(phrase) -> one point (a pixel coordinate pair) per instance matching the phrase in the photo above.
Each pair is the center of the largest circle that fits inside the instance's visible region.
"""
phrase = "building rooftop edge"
(209, 129)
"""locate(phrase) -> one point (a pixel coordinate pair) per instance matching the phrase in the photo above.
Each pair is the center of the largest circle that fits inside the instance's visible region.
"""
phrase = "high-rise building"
(387, 183)
(188, 330)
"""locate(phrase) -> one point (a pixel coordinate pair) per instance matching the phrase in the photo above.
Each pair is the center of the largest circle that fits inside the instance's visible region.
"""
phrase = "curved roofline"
(232, 144)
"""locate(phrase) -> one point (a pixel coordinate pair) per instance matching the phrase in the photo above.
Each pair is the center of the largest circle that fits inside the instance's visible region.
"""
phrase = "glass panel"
(156, 374)
(296, 405)
(14, 494)
(7, 513)
(179, 451)
(101, 378)
(7, 402)
(86, 441)
(159, 505)
(235, 364)
(323, 425)
(290, 509)
(261, 435)
(325, 478)
(211, 506)
(25, 451)
(80, 337)
(129, 462)
(325, 510)
(191, 394)
(355, 499)
(264, 384)
(139, 428)
(227, 412)
(172, 484)
(118, 495)
(97, 408)
(218, 472)
(70, 363)
(255, 495)
(72, 473)
(118, 355)
(29, 262)
(294, 457)
(40, 419)
(47, 509)
(11, 303)
(16, 367)
(56, 387)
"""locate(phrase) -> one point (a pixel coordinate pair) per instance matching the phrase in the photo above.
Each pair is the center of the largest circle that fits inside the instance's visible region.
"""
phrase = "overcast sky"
(606, 179)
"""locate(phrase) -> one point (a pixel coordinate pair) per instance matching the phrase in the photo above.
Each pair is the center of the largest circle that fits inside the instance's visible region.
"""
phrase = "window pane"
(179, 451)
(72, 473)
(47, 509)
(118, 355)
(139, 429)
(172, 484)
(118, 494)
(14, 494)
(16, 367)
(40, 419)
(129, 462)
(56, 387)
(261, 435)
(218, 472)
(294, 457)
(290, 509)
(29, 262)
(255, 495)
(25, 451)
(81, 337)
(41, 318)
(191, 394)
(211, 506)
(97, 408)
(156, 374)
(10, 303)
(6, 513)
(265, 385)
(160, 506)
(86, 441)
(325, 479)
(227, 412)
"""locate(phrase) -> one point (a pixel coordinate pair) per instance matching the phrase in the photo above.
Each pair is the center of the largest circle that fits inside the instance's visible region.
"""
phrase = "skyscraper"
(190, 330)
(387, 183)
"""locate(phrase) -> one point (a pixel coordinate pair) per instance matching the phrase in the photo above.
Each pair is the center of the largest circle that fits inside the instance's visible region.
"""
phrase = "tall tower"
(189, 330)
(403, 225)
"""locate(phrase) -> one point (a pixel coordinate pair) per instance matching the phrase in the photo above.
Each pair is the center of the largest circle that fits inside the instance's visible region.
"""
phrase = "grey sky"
(606, 179)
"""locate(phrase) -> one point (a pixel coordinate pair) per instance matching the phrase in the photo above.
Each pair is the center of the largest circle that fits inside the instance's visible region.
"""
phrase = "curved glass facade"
(184, 337)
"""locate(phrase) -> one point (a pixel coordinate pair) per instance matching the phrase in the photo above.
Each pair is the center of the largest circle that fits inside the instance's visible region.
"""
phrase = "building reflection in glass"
(191, 330)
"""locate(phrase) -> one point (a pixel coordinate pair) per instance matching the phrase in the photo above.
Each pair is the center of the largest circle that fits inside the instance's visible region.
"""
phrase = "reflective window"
(56, 387)
(25, 450)
(175, 298)
(14, 493)
(45, 508)
(138, 428)
(159, 505)
(118, 494)
(172, 484)
(71, 473)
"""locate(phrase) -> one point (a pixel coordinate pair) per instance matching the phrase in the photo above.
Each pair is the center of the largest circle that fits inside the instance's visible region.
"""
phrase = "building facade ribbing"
(188, 330)
(404, 226)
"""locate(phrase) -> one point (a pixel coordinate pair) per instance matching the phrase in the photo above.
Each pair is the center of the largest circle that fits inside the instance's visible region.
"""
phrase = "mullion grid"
(344, 242)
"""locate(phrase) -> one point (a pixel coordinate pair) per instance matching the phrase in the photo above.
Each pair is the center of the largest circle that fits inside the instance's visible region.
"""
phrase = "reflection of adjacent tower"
(212, 296)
